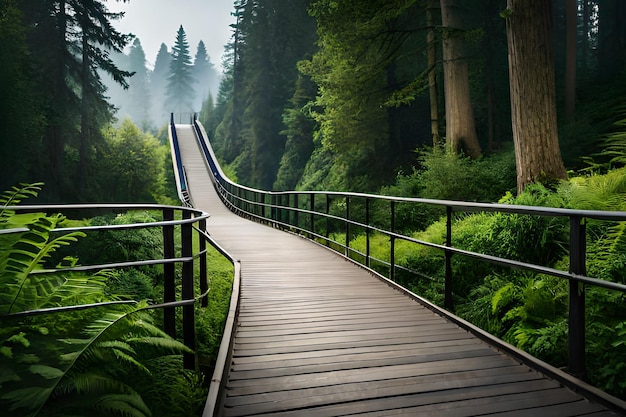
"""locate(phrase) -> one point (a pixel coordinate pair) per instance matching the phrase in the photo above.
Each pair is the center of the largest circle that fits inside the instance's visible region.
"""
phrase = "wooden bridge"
(317, 335)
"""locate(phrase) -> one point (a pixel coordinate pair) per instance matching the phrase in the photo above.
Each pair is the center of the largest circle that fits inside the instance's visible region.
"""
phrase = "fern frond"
(26, 397)
(165, 344)
(124, 405)
(28, 255)
(617, 237)
(14, 197)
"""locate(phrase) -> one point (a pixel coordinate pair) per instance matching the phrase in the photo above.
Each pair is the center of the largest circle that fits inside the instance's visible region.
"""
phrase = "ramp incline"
(319, 336)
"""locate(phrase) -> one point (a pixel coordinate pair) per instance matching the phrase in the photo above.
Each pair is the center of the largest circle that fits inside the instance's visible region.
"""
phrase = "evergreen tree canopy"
(180, 90)
(205, 76)
(158, 85)
(139, 85)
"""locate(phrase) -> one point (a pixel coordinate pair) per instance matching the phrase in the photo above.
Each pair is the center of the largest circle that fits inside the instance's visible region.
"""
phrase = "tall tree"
(460, 126)
(205, 75)
(432, 74)
(158, 86)
(139, 88)
(70, 41)
(571, 17)
(533, 102)
(55, 69)
(180, 90)
(97, 38)
(611, 37)
(19, 136)
(270, 37)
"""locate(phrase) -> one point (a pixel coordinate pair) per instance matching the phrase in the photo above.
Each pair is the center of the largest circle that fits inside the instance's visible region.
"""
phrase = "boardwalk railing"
(180, 176)
(333, 217)
(186, 220)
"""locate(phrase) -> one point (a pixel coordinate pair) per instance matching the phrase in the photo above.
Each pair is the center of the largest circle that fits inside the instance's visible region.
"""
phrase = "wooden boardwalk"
(319, 336)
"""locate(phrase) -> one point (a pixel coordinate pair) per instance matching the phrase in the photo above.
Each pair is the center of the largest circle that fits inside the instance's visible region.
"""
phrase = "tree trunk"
(533, 105)
(432, 75)
(584, 44)
(460, 129)
(84, 122)
(611, 37)
(571, 17)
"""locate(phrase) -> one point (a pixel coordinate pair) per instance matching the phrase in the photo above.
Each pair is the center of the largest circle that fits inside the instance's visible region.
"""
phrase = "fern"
(21, 289)
(14, 197)
(44, 368)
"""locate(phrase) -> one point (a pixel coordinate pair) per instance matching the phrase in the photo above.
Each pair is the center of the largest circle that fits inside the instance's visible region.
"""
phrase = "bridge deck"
(317, 335)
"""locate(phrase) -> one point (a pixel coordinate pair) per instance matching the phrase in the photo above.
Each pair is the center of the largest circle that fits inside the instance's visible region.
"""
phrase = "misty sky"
(156, 21)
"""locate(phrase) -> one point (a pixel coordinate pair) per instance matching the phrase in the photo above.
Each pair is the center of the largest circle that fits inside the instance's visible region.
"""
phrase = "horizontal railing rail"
(194, 287)
(319, 214)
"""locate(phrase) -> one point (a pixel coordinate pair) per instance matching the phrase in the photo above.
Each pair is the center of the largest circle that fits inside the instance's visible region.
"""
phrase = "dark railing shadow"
(320, 215)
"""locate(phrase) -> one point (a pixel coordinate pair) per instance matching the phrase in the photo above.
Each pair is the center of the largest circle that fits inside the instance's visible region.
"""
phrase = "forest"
(517, 101)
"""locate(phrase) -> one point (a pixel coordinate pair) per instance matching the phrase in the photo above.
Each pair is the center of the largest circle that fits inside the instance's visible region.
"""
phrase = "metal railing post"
(312, 209)
(576, 328)
(347, 247)
(204, 283)
(273, 209)
(392, 243)
(169, 284)
(296, 218)
(448, 301)
(327, 220)
(189, 359)
(367, 232)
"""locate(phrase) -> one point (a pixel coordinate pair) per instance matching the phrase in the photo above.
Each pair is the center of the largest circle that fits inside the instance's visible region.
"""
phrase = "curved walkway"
(319, 336)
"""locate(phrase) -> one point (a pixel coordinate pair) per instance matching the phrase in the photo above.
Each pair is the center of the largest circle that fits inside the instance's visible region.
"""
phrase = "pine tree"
(180, 91)
(205, 75)
(19, 135)
(71, 42)
(158, 85)
(139, 90)
(97, 38)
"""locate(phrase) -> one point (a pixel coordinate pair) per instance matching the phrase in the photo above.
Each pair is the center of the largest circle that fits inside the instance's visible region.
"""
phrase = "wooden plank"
(378, 373)
(412, 384)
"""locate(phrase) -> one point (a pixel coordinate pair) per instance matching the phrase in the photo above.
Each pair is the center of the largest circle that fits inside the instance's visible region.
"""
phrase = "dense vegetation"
(340, 97)
(404, 97)
(105, 360)
(57, 121)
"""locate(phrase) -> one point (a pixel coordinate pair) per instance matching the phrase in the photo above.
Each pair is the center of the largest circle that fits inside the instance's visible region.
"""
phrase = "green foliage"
(12, 198)
(95, 362)
(20, 136)
(131, 168)
(210, 320)
(447, 175)
(526, 309)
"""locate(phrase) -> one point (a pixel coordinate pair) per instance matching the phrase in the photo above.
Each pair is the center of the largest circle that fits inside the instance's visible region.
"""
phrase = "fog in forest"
(146, 101)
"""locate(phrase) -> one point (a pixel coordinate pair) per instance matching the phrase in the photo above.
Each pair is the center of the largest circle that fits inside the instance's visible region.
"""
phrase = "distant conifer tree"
(180, 91)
